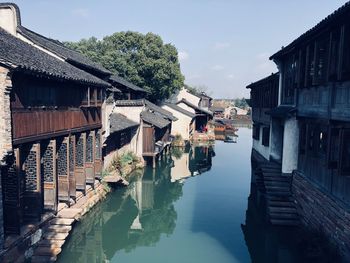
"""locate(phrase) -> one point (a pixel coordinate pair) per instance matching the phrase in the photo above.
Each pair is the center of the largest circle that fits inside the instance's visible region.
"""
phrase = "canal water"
(192, 208)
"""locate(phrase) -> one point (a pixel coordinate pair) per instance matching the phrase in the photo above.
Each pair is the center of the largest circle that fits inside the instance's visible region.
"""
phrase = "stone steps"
(280, 203)
(56, 236)
(51, 243)
(62, 221)
(43, 259)
(47, 251)
(59, 228)
(282, 209)
(283, 216)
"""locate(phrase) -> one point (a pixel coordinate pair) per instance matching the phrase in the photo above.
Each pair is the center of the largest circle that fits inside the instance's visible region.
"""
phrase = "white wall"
(257, 145)
(290, 145)
(276, 140)
(184, 94)
(8, 19)
(180, 170)
(182, 125)
(135, 145)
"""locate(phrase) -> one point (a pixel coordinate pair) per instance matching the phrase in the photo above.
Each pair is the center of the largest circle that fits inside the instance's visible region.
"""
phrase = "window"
(333, 150)
(302, 138)
(290, 79)
(256, 132)
(310, 65)
(345, 152)
(346, 52)
(321, 58)
(266, 136)
(334, 55)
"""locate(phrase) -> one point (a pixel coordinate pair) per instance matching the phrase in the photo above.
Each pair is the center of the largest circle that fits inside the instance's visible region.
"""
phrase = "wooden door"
(89, 158)
(63, 169)
(80, 178)
(49, 175)
(72, 183)
(12, 194)
(32, 198)
(98, 155)
(148, 139)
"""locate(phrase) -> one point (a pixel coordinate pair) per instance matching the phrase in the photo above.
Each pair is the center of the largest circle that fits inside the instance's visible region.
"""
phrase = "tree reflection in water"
(137, 215)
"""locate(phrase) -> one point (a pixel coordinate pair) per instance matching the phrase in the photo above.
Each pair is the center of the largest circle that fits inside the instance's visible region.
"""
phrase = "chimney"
(10, 17)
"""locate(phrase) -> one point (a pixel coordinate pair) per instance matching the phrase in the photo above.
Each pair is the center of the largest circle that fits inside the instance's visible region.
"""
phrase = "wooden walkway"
(280, 205)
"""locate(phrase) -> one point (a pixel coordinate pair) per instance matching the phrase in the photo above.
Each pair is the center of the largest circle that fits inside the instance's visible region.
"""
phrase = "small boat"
(230, 139)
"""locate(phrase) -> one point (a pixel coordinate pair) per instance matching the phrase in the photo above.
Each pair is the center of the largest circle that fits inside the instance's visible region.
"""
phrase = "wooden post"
(89, 158)
(71, 158)
(63, 170)
(80, 163)
(154, 162)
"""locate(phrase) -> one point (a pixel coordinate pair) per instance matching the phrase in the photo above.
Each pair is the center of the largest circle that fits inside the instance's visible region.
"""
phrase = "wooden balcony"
(31, 125)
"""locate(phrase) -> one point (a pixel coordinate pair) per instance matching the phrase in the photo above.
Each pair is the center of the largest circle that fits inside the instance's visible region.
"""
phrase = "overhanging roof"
(154, 119)
(119, 80)
(189, 104)
(119, 122)
(181, 110)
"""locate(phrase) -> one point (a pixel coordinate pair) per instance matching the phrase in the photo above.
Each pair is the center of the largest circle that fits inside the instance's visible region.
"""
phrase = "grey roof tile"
(128, 103)
(60, 50)
(154, 119)
(191, 105)
(161, 111)
(119, 122)
(24, 57)
(181, 110)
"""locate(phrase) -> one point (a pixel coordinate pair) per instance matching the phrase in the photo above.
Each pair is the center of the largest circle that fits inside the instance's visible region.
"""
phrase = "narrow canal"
(163, 217)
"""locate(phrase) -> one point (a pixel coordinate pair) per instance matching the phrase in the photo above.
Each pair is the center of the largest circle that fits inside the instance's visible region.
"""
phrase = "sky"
(223, 45)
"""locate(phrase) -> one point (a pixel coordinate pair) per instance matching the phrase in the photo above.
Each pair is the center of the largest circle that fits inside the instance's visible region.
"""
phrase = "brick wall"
(321, 212)
(5, 133)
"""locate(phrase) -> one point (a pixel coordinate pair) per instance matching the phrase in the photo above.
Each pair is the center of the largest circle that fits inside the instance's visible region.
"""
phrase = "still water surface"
(192, 208)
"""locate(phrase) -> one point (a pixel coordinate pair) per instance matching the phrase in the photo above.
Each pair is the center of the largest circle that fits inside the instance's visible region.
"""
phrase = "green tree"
(142, 59)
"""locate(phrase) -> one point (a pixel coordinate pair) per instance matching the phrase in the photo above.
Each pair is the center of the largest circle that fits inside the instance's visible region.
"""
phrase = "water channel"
(192, 208)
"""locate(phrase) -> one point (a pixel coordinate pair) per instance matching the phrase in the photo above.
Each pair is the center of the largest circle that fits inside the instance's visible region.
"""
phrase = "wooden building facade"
(52, 134)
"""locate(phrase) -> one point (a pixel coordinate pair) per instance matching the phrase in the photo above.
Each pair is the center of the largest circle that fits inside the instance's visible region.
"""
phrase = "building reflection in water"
(139, 214)
(191, 161)
(267, 243)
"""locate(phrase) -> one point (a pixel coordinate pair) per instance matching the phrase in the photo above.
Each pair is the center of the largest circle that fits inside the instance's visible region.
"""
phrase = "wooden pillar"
(80, 162)
(89, 158)
(71, 158)
(98, 154)
(63, 170)
(12, 194)
(49, 175)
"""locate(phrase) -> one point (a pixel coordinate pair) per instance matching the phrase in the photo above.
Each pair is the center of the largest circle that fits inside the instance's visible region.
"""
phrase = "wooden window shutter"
(345, 152)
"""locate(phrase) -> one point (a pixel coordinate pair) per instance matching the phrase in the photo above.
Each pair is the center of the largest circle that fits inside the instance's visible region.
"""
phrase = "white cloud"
(183, 55)
(221, 45)
(217, 67)
(231, 76)
(81, 12)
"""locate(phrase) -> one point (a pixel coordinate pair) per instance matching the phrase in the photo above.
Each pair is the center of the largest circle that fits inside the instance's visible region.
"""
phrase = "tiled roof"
(154, 119)
(191, 105)
(342, 11)
(181, 110)
(128, 103)
(119, 122)
(56, 47)
(259, 82)
(161, 111)
(17, 54)
(124, 82)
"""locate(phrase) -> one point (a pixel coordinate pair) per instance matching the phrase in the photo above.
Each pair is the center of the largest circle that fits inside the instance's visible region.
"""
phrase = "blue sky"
(223, 44)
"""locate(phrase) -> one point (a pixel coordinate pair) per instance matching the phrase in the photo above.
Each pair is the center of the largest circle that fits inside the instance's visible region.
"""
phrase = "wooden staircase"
(280, 205)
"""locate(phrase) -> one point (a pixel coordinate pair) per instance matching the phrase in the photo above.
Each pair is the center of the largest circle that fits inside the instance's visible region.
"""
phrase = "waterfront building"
(218, 112)
(50, 140)
(264, 98)
(310, 126)
(185, 125)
